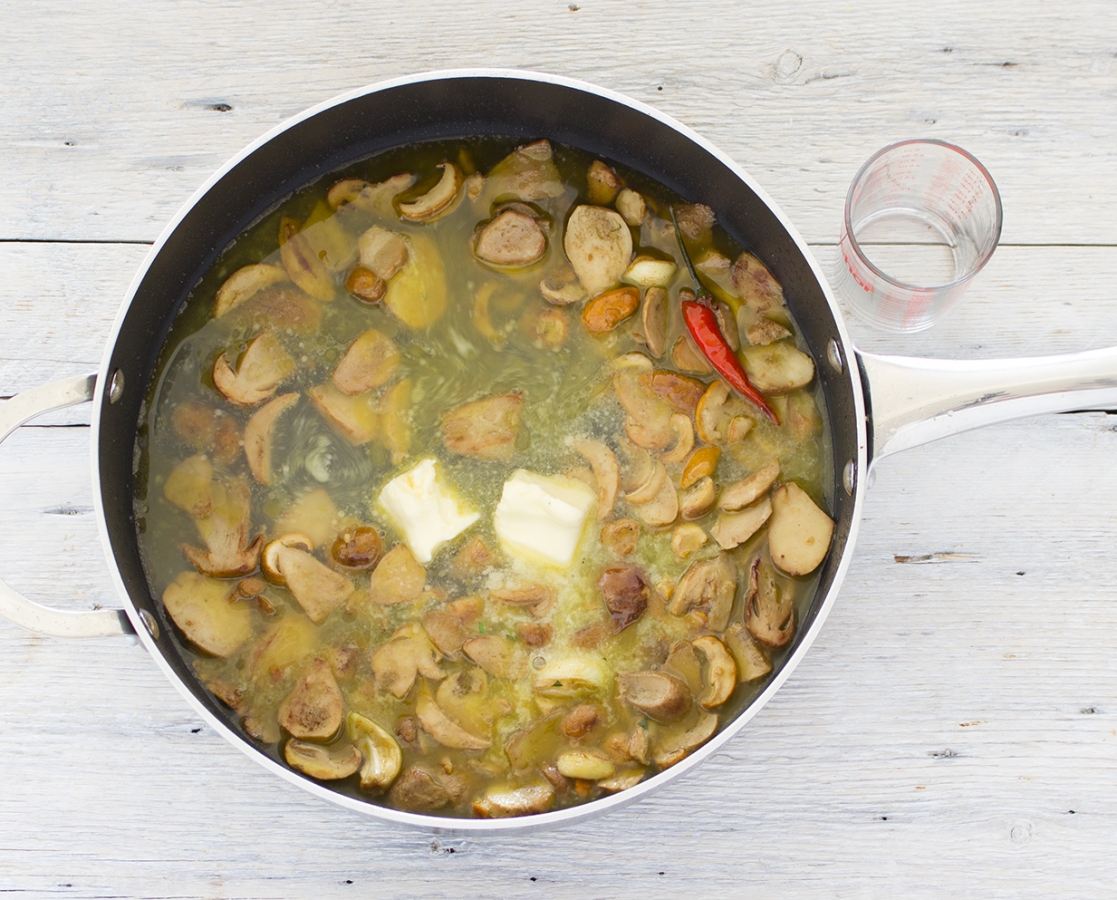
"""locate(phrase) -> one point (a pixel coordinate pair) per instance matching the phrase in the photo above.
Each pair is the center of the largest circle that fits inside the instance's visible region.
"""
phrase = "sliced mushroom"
(699, 498)
(262, 368)
(281, 307)
(382, 252)
(598, 245)
(540, 597)
(501, 801)
(417, 294)
(535, 634)
(401, 660)
(325, 764)
(571, 675)
(244, 283)
(353, 416)
(562, 288)
(364, 284)
(639, 466)
(383, 757)
(709, 585)
(688, 358)
(606, 472)
(207, 430)
(446, 630)
(602, 183)
(799, 536)
(695, 220)
(684, 439)
(716, 411)
(486, 428)
(537, 741)
(733, 529)
(189, 485)
(588, 765)
(778, 368)
(755, 285)
(227, 554)
(547, 328)
(647, 272)
(466, 699)
(582, 720)
(659, 696)
(606, 311)
(625, 590)
(202, 610)
(438, 199)
(473, 559)
(663, 508)
(313, 515)
(397, 579)
(512, 239)
(653, 321)
(622, 779)
(681, 391)
(357, 549)
(649, 416)
(739, 427)
(259, 435)
(621, 536)
(373, 198)
(318, 589)
(418, 790)
(769, 606)
(302, 264)
(741, 493)
(289, 643)
(443, 729)
(527, 174)
(750, 659)
(702, 462)
(687, 538)
(759, 330)
(395, 420)
(370, 362)
(673, 745)
(649, 489)
(497, 655)
(719, 673)
(632, 207)
(313, 710)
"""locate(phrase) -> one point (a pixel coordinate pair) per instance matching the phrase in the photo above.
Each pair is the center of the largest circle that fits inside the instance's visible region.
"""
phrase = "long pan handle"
(14, 606)
(916, 401)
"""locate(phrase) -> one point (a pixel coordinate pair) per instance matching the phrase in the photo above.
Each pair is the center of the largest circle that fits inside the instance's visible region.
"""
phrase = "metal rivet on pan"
(149, 623)
(834, 356)
(849, 477)
(116, 386)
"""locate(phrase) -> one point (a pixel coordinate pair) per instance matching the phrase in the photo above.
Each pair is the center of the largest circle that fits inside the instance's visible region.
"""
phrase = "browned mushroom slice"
(750, 659)
(663, 508)
(541, 598)
(688, 358)
(370, 362)
(418, 790)
(446, 630)
(654, 477)
(719, 675)
(207, 430)
(189, 485)
(622, 779)
(383, 757)
(202, 610)
(262, 368)
(373, 198)
(716, 411)
(291, 642)
(659, 696)
(671, 745)
(741, 493)
(244, 283)
(621, 536)
(303, 265)
(582, 720)
(649, 416)
(606, 472)
(602, 183)
(684, 439)
(397, 579)
(225, 533)
(485, 428)
(511, 240)
(733, 529)
(401, 660)
(313, 710)
(438, 199)
(353, 416)
(562, 288)
(357, 549)
(313, 514)
(501, 801)
(473, 559)
(382, 252)
(527, 174)
(625, 589)
(708, 585)
(695, 220)
(606, 311)
(547, 328)
(598, 245)
(259, 436)
(632, 207)
(800, 532)
(769, 606)
(778, 368)
(755, 285)
(699, 498)
(365, 285)
(653, 321)
(325, 764)
(443, 729)
(687, 538)
(497, 655)
(318, 589)
(281, 307)
(417, 294)
(758, 329)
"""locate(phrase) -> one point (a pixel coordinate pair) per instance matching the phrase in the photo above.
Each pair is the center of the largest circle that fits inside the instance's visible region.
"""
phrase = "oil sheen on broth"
(445, 503)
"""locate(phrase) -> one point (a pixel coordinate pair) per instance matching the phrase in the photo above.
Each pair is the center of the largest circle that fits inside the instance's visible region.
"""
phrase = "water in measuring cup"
(915, 246)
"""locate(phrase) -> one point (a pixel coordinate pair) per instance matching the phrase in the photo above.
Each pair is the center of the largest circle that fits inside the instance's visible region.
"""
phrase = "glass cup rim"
(979, 264)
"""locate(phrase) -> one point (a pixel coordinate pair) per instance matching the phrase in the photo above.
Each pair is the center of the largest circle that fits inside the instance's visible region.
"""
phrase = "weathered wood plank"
(109, 137)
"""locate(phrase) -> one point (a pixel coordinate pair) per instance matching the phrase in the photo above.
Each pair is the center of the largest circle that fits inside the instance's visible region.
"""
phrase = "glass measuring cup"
(922, 218)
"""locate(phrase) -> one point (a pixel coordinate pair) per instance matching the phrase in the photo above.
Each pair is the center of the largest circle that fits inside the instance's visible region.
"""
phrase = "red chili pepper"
(702, 322)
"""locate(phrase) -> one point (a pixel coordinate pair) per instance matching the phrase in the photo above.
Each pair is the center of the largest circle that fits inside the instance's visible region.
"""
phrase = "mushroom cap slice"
(372, 198)
(325, 764)
(263, 367)
(497, 655)
(485, 428)
(733, 529)
(647, 271)
(716, 411)
(589, 765)
(606, 311)
(799, 533)
(649, 415)
(370, 361)
(699, 498)
(632, 206)
(625, 589)
(303, 265)
(708, 585)
(189, 485)
(313, 710)
(687, 538)
(663, 508)
(570, 676)
(501, 801)
(778, 367)
(562, 288)
(719, 673)
(244, 283)
(769, 606)
(438, 199)
(383, 757)
(741, 493)
(225, 533)
(605, 471)
(513, 239)
(353, 416)
(755, 285)
(382, 252)
(684, 439)
(259, 435)
(528, 173)
(202, 610)
(401, 660)
(399, 578)
(443, 729)
(318, 589)
(598, 245)
(417, 294)
(418, 790)
(750, 659)
(672, 745)
(653, 321)
(659, 696)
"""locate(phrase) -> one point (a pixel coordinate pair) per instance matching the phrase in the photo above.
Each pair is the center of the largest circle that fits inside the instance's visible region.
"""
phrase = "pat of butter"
(542, 516)
(425, 512)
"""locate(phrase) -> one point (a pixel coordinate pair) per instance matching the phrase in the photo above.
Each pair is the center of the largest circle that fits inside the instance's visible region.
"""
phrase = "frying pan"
(874, 405)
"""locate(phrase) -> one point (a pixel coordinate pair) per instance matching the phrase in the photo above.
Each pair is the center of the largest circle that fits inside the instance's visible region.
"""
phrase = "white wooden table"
(953, 732)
